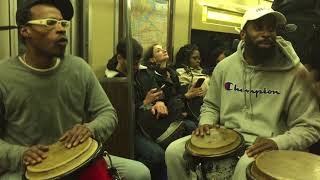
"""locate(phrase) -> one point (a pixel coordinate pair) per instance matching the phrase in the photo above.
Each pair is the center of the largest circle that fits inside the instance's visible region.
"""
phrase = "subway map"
(149, 21)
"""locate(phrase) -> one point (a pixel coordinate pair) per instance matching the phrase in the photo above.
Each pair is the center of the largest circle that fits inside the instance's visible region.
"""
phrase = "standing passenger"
(45, 95)
(259, 91)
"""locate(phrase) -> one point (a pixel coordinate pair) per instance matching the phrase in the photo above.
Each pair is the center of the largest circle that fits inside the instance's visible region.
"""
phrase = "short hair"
(184, 54)
(24, 15)
(136, 49)
(122, 50)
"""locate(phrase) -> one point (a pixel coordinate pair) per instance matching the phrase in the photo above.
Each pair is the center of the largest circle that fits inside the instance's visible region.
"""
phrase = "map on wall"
(150, 21)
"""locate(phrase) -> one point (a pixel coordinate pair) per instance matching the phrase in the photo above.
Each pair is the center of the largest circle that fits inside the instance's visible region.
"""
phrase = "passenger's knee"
(244, 161)
(176, 149)
(171, 150)
(142, 172)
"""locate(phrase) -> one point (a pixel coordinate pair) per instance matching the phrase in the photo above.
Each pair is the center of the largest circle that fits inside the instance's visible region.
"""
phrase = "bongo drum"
(64, 163)
(215, 156)
(283, 164)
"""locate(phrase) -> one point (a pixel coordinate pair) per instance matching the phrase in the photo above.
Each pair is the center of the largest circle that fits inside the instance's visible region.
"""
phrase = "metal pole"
(131, 102)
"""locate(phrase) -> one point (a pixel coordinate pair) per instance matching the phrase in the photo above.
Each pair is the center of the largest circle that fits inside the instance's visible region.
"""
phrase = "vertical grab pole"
(131, 101)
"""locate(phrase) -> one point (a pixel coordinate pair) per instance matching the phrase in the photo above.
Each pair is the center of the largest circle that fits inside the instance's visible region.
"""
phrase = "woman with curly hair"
(188, 67)
(188, 61)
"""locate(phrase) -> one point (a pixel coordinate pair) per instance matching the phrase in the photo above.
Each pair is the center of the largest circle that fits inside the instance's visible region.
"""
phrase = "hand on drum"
(78, 134)
(260, 145)
(203, 129)
(34, 155)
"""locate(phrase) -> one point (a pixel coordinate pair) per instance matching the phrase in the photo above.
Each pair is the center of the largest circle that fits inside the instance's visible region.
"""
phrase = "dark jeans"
(190, 126)
(152, 155)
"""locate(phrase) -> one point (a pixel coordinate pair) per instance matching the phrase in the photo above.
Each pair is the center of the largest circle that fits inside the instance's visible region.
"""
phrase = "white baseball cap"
(258, 12)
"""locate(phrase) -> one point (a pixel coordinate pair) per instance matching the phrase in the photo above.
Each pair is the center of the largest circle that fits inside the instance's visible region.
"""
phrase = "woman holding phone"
(162, 120)
(191, 74)
(192, 77)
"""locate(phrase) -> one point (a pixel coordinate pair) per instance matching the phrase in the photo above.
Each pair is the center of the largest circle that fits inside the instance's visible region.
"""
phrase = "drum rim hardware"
(86, 158)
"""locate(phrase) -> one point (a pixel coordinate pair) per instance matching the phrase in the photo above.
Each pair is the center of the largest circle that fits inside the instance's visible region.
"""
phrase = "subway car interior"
(155, 61)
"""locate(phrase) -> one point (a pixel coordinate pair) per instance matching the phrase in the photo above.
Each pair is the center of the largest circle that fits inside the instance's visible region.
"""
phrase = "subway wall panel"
(5, 46)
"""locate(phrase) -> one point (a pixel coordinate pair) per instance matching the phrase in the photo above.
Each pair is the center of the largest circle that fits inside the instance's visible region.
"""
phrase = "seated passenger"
(259, 91)
(188, 61)
(215, 56)
(164, 126)
(117, 65)
(46, 95)
(188, 67)
(147, 150)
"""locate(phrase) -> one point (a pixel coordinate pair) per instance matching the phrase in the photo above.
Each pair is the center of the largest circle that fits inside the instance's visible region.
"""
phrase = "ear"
(242, 34)
(25, 32)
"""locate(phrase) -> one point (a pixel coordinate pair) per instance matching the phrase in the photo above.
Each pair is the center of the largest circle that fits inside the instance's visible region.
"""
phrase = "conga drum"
(64, 163)
(215, 156)
(288, 165)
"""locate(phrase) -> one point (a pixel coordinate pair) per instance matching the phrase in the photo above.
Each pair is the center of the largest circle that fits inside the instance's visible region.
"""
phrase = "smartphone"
(159, 89)
(199, 82)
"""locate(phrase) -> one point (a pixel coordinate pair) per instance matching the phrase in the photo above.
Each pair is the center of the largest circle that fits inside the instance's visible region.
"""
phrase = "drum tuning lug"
(114, 173)
(105, 153)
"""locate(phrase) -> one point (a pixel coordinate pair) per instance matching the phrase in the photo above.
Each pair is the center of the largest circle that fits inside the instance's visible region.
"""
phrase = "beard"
(260, 54)
(61, 55)
(59, 52)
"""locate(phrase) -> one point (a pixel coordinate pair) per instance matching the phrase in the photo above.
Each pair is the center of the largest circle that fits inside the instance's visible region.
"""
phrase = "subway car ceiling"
(98, 25)
(221, 15)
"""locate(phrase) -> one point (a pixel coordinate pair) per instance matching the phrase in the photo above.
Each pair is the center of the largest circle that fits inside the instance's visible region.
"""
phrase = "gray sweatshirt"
(272, 100)
(38, 107)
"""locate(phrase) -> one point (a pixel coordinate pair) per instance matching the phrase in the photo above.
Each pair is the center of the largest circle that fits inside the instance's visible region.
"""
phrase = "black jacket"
(173, 97)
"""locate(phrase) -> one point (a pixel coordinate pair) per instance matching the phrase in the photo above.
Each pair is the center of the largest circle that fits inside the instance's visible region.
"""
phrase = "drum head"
(218, 137)
(220, 142)
(61, 160)
(286, 165)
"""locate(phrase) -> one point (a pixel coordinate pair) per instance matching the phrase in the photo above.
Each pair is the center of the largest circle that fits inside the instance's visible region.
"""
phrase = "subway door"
(5, 35)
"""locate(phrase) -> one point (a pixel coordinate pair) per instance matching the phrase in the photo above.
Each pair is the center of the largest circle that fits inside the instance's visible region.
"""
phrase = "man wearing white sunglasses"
(50, 23)
(45, 95)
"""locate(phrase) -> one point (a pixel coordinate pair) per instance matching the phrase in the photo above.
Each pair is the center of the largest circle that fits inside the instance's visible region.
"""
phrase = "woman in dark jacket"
(157, 75)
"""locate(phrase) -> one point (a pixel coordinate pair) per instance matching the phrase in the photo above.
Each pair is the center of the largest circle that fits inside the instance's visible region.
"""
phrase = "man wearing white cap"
(260, 91)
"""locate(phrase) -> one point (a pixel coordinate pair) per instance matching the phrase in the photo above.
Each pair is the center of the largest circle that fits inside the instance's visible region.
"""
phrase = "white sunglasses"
(50, 22)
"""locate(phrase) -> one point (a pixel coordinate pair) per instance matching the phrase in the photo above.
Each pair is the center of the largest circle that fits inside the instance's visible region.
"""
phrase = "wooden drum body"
(215, 156)
(280, 165)
(64, 163)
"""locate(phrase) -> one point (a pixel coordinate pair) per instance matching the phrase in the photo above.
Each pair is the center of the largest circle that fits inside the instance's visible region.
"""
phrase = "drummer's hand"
(77, 135)
(203, 129)
(261, 145)
(34, 155)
